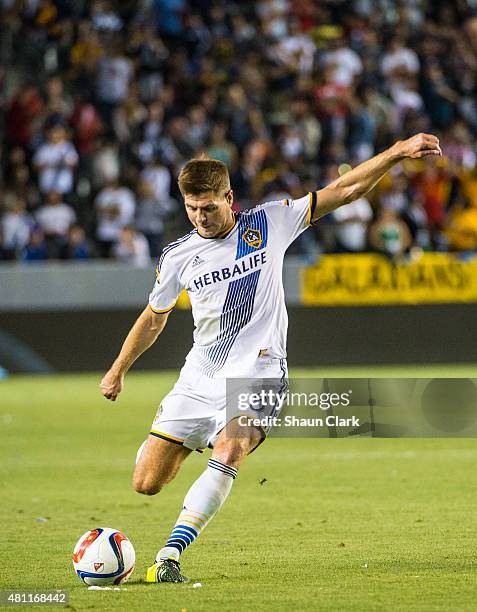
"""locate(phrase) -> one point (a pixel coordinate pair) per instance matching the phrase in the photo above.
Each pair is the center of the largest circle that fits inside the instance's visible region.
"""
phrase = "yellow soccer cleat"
(168, 570)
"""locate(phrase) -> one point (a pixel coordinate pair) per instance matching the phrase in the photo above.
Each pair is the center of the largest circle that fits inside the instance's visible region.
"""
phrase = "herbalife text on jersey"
(242, 267)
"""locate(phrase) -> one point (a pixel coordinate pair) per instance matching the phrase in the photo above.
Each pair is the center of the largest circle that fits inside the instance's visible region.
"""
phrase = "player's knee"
(146, 485)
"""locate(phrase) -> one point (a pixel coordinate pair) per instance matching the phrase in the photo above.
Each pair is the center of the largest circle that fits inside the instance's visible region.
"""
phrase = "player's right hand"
(111, 385)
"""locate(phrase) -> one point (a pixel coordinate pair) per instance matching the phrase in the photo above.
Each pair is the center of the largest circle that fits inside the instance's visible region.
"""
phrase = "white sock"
(203, 500)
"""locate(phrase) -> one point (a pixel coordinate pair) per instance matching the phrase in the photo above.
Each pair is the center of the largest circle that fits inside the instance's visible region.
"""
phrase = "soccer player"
(231, 267)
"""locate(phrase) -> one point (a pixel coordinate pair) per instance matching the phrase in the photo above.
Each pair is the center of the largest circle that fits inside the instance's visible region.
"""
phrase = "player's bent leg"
(205, 498)
(157, 465)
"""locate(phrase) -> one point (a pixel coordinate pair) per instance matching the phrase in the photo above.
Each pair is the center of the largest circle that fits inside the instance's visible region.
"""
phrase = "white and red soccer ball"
(104, 556)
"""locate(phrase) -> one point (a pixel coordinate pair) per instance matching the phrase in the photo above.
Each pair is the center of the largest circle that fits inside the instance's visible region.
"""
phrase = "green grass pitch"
(345, 524)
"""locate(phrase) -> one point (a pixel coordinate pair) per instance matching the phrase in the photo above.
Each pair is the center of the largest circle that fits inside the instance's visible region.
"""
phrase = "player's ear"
(229, 196)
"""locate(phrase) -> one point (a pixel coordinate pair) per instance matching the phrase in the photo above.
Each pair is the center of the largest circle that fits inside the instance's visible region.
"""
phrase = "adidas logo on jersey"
(197, 261)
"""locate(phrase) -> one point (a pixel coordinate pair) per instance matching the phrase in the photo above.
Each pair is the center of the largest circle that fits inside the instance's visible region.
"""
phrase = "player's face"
(210, 213)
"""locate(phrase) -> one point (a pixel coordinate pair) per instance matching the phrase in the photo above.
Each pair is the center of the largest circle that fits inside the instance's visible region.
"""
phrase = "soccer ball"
(103, 556)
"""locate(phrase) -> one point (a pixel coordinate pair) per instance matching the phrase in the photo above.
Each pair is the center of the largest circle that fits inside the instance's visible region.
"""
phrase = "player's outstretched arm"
(357, 182)
(143, 334)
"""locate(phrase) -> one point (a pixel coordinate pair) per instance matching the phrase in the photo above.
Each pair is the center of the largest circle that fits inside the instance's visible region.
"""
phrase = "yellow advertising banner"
(371, 279)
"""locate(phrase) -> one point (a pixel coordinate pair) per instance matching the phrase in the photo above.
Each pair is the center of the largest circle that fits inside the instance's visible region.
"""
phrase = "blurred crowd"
(101, 103)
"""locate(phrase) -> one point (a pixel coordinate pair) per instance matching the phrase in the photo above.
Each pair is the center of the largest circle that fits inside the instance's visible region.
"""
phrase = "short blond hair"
(202, 174)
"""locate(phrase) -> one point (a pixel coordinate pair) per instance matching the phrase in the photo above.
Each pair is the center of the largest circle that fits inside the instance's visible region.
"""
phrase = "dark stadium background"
(286, 93)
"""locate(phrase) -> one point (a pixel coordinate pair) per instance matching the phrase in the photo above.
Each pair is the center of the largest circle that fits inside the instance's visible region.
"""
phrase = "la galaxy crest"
(253, 237)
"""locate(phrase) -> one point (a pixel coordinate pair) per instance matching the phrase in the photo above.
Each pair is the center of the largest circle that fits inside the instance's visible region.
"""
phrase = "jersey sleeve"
(292, 217)
(167, 287)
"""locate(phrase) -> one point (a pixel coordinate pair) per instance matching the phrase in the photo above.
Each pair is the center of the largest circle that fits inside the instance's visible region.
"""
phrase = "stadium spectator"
(86, 125)
(128, 118)
(55, 162)
(307, 126)
(273, 88)
(169, 16)
(104, 18)
(388, 234)
(297, 49)
(24, 116)
(439, 98)
(151, 214)
(219, 147)
(76, 245)
(459, 147)
(151, 131)
(105, 164)
(36, 249)
(274, 17)
(114, 74)
(198, 128)
(84, 55)
(344, 63)
(54, 219)
(157, 174)
(399, 61)
(332, 103)
(396, 196)
(362, 131)
(132, 248)
(433, 186)
(21, 185)
(351, 229)
(115, 208)
(16, 226)
(149, 54)
(58, 105)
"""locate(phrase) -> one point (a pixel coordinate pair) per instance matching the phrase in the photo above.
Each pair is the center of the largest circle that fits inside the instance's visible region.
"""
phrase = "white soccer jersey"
(235, 286)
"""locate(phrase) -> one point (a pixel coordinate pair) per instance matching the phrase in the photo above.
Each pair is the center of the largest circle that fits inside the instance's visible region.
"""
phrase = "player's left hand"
(417, 146)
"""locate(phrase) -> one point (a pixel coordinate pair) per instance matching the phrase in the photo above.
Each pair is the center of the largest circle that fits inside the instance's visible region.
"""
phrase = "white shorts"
(196, 410)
